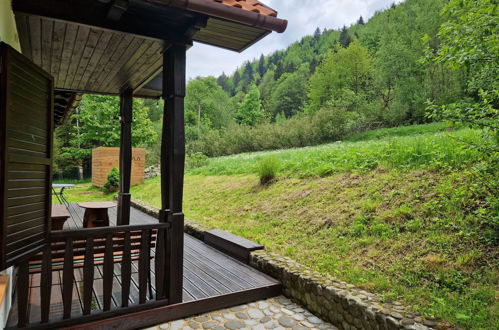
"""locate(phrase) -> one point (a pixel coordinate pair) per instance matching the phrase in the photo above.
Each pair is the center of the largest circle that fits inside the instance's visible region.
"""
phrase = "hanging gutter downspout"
(217, 9)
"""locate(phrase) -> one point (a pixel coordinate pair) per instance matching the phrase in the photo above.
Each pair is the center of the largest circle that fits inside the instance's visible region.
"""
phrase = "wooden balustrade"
(86, 249)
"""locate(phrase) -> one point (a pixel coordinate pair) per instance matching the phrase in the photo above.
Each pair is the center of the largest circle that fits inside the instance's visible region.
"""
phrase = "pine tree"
(223, 81)
(236, 79)
(345, 38)
(279, 70)
(261, 66)
(361, 21)
(317, 33)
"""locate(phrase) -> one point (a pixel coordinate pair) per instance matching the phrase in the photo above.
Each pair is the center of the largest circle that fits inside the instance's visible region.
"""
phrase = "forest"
(397, 68)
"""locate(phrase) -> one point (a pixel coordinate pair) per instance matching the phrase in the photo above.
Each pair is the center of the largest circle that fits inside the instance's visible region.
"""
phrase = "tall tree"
(345, 38)
(261, 65)
(289, 94)
(341, 73)
(250, 110)
(317, 33)
(224, 82)
(207, 104)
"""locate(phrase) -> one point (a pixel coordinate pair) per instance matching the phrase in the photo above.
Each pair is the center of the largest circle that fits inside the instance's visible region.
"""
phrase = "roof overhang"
(106, 46)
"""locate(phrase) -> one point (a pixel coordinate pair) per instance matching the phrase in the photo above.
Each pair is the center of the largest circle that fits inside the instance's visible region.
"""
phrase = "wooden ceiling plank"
(151, 77)
(79, 46)
(24, 36)
(147, 68)
(242, 30)
(90, 45)
(125, 42)
(130, 66)
(57, 45)
(141, 69)
(105, 59)
(210, 38)
(36, 39)
(47, 31)
(223, 35)
(118, 65)
(95, 59)
(67, 51)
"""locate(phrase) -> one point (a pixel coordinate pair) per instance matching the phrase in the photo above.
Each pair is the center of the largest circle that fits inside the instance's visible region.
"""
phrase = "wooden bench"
(230, 244)
(59, 216)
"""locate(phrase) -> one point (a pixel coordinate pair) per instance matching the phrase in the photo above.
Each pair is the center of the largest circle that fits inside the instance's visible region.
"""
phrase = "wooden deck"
(212, 280)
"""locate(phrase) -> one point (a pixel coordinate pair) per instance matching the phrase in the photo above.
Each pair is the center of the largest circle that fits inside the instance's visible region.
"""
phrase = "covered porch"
(139, 270)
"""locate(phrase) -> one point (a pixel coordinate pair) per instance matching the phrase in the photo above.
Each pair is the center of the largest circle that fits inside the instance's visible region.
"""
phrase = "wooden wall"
(104, 159)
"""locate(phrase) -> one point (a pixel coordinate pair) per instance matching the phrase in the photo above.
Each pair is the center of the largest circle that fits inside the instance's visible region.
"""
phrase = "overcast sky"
(303, 16)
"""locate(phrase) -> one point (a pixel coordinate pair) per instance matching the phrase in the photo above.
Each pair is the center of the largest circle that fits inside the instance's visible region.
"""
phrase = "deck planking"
(208, 274)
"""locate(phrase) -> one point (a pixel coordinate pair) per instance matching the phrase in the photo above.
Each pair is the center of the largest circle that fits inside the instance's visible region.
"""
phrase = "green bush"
(325, 125)
(267, 169)
(196, 160)
(113, 180)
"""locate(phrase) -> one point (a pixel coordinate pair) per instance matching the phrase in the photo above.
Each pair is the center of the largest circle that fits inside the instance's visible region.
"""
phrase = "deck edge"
(169, 313)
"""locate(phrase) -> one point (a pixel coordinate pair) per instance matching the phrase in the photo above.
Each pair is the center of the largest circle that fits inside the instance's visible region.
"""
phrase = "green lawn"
(399, 212)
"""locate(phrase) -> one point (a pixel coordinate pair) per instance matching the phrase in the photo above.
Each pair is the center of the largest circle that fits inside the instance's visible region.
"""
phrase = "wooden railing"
(87, 249)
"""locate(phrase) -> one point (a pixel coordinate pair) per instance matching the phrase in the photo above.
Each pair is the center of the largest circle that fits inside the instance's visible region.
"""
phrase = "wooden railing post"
(23, 294)
(67, 279)
(172, 168)
(124, 197)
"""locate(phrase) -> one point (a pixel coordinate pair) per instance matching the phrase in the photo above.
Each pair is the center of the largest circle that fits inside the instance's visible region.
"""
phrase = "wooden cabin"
(139, 270)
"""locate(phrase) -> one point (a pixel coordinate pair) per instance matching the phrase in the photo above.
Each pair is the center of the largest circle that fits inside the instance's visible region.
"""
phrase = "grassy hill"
(409, 213)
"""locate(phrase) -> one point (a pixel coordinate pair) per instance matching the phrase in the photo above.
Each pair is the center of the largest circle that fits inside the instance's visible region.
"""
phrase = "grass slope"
(399, 212)
(432, 147)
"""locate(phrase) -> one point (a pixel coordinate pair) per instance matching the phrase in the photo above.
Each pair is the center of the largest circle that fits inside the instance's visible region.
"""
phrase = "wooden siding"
(104, 159)
(26, 111)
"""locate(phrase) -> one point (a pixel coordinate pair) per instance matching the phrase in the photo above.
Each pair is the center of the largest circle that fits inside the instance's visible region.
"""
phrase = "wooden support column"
(172, 168)
(124, 197)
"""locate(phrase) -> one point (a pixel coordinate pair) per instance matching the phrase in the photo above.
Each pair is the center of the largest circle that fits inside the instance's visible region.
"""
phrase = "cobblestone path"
(276, 313)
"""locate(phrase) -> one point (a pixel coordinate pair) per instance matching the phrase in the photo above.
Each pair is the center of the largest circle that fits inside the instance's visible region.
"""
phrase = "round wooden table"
(96, 213)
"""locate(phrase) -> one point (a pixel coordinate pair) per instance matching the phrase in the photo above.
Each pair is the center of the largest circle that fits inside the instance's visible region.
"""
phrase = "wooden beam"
(100, 15)
(164, 314)
(124, 197)
(172, 168)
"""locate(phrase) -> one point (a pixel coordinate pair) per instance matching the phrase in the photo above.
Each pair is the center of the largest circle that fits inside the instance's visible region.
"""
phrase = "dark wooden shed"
(130, 48)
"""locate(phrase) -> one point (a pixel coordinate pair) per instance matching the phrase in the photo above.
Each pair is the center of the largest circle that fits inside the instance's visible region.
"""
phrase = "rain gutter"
(217, 9)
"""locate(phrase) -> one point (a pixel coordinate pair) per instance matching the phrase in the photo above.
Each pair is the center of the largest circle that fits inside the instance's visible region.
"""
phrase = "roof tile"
(250, 5)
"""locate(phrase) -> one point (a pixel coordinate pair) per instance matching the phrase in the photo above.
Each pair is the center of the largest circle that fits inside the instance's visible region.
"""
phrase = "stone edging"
(338, 302)
(342, 304)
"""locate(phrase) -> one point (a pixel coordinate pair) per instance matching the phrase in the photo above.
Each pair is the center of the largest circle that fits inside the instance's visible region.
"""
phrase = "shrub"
(113, 180)
(196, 160)
(267, 169)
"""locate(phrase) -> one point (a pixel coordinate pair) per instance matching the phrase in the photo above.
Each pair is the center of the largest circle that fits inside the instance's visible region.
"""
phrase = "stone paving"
(276, 313)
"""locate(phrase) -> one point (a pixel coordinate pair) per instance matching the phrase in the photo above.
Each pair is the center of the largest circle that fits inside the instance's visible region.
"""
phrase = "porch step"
(230, 244)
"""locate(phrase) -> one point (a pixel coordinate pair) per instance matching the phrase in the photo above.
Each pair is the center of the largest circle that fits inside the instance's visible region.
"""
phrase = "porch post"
(126, 102)
(172, 168)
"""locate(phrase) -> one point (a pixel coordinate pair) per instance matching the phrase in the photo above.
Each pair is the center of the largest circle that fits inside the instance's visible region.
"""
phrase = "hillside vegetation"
(397, 211)
(410, 213)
